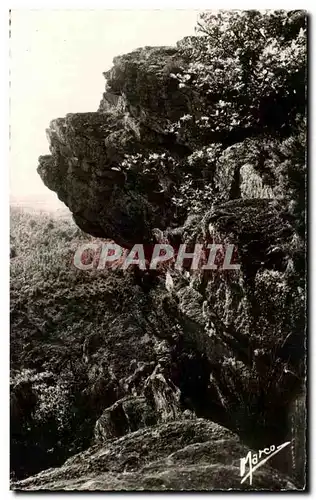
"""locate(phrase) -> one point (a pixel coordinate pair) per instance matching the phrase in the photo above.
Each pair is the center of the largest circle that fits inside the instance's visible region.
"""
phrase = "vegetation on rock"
(203, 142)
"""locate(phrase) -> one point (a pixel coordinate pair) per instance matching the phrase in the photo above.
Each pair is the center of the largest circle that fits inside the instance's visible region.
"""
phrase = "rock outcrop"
(194, 455)
(227, 346)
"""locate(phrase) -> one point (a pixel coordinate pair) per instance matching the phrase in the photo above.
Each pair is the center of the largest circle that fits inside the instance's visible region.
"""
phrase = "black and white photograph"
(158, 250)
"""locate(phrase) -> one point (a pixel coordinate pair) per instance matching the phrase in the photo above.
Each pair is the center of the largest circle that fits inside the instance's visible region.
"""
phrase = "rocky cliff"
(178, 147)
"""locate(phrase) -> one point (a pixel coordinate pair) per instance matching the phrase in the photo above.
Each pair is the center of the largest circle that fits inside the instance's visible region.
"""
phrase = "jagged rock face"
(122, 171)
(130, 355)
(248, 323)
(236, 353)
(184, 455)
(152, 95)
(86, 171)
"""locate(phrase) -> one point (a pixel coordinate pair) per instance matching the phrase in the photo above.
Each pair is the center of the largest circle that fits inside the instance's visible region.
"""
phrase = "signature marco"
(256, 460)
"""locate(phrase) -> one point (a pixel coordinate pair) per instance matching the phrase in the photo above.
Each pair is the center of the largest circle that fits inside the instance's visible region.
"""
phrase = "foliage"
(75, 339)
(250, 65)
(248, 124)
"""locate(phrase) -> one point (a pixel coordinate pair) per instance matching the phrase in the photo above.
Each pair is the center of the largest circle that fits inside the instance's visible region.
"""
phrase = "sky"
(57, 59)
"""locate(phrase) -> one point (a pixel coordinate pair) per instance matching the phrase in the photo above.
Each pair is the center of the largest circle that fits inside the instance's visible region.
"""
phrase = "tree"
(250, 66)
